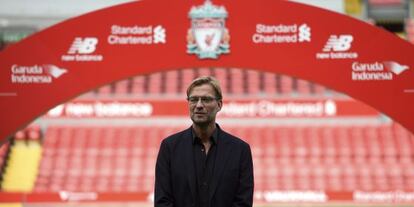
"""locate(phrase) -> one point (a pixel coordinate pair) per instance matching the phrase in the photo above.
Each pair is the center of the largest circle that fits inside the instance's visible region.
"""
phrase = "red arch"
(22, 102)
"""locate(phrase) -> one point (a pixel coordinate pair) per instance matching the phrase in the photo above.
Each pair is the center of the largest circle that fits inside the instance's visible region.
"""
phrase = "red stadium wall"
(63, 61)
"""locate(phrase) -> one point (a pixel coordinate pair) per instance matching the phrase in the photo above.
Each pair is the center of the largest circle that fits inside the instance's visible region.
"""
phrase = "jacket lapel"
(223, 153)
(189, 161)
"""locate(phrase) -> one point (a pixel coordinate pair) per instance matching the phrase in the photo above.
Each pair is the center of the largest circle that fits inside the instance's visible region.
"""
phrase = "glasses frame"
(203, 99)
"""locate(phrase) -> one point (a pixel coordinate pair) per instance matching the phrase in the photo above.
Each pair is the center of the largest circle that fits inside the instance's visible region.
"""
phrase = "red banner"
(251, 108)
(391, 197)
(142, 37)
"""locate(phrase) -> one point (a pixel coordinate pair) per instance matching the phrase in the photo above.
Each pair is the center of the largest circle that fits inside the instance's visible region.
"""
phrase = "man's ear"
(220, 104)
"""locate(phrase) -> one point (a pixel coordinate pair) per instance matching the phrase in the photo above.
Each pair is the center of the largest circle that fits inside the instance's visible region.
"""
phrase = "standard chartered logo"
(137, 35)
(159, 34)
(304, 33)
(282, 33)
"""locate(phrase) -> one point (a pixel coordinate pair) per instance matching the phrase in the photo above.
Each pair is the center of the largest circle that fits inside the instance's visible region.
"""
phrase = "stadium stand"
(101, 159)
(120, 159)
(324, 156)
(409, 29)
(337, 158)
(235, 82)
(137, 85)
(4, 151)
(22, 164)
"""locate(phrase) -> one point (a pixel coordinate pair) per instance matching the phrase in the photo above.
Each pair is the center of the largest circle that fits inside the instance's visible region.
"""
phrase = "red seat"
(187, 76)
(253, 82)
(122, 87)
(171, 77)
(203, 72)
(155, 83)
(237, 83)
(286, 84)
(269, 83)
(138, 85)
(303, 87)
(221, 75)
(105, 90)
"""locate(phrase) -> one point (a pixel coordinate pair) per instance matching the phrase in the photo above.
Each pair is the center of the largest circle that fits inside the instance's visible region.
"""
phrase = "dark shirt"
(204, 167)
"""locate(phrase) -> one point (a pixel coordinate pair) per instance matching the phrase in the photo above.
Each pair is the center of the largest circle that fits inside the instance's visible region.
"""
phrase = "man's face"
(203, 105)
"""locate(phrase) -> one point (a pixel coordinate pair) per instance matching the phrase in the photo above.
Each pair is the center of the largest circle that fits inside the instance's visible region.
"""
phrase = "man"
(204, 166)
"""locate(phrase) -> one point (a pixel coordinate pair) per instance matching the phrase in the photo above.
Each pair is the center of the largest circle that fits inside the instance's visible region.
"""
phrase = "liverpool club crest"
(208, 36)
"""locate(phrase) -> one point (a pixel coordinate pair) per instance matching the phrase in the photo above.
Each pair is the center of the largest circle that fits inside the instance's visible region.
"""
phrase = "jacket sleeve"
(163, 191)
(244, 195)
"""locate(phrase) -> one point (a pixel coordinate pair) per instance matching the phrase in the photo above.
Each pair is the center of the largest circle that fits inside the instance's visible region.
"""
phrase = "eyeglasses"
(204, 99)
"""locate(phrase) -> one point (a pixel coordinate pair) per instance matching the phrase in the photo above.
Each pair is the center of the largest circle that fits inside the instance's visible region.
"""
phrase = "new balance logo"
(338, 43)
(81, 50)
(337, 47)
(85, 45)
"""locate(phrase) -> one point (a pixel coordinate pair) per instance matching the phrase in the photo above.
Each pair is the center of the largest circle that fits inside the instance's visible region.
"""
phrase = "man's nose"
(199, 103)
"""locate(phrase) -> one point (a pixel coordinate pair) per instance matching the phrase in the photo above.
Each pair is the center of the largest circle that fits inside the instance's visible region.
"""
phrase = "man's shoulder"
(173, 138)
(233, 138)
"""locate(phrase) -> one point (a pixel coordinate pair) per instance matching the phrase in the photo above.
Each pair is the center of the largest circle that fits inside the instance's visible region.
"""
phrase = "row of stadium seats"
(234, 82)
(285, 158)
(409, 28)
(4, 150)
(31, 133)
(23, 160)
(335, 177)
(368, 141)
(348, 144)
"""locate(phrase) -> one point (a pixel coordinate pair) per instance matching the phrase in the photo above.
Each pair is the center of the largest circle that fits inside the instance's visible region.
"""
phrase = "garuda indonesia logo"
(208, 36)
